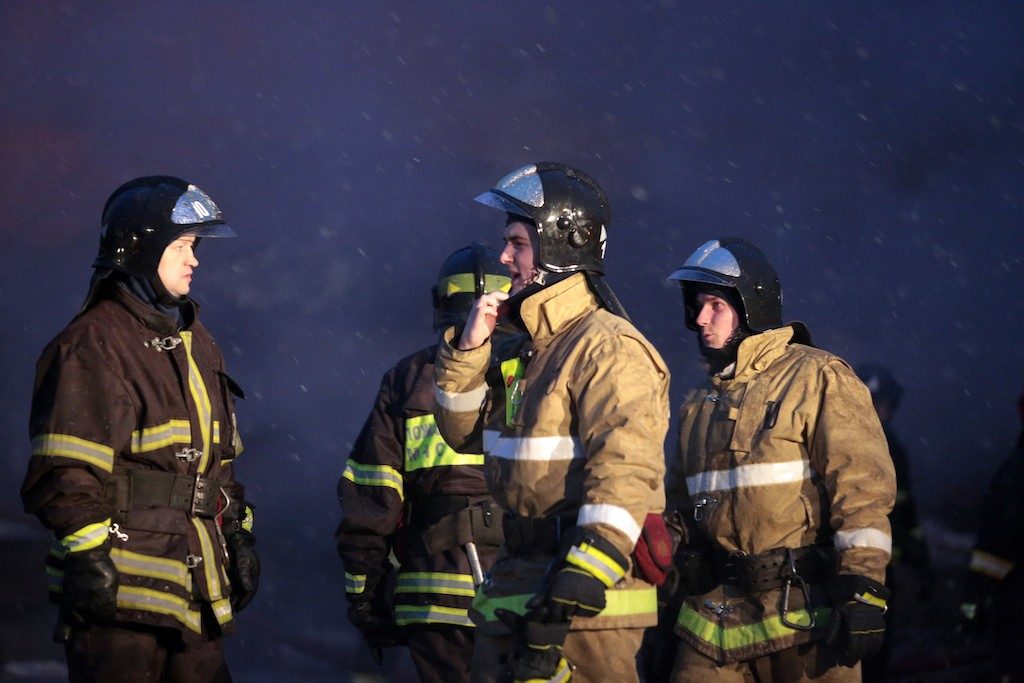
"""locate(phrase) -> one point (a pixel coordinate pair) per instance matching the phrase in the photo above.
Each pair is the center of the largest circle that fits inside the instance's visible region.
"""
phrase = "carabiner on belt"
(789, 577)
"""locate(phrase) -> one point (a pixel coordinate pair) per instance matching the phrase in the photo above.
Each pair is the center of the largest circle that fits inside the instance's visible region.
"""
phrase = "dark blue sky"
(874, 150)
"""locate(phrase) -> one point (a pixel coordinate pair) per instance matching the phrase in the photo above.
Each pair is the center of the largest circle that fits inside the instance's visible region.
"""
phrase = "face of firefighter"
(177, 264)
(716, 320)
(518, 254)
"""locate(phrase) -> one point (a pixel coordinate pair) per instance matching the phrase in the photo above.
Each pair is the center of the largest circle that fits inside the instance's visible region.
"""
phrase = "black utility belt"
(535, 535)
(129, 489)
(775, 568)
(441, 523)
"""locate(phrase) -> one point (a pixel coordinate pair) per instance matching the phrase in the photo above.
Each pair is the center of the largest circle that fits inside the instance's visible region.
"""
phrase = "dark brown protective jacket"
(121, 388)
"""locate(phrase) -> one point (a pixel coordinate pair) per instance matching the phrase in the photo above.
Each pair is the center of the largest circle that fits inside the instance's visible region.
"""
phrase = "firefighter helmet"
(465, 276)
(737, 264)
(144, 215)
(568, 208)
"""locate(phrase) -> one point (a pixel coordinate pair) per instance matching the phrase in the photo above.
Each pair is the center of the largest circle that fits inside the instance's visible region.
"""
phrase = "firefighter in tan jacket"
(785, 468)
(572, 441)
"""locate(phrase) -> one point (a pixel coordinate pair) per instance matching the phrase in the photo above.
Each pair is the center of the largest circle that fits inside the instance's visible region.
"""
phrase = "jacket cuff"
(88, 537)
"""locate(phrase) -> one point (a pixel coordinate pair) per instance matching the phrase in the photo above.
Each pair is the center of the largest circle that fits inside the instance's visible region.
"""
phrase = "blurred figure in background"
(908, 573)
(405, 491)
(994, 601)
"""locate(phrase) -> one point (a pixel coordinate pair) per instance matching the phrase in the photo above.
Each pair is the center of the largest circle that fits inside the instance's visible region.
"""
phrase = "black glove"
(244, 569)
(590, 565)
(538, 646)
(369, 612)
(89, 589)
(857, 626)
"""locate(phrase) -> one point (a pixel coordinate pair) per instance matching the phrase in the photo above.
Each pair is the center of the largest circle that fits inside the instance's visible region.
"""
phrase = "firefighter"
(404, 490)
(133, 443)
(784, 470)
(994, 601)
(909, 571)
(573, 440)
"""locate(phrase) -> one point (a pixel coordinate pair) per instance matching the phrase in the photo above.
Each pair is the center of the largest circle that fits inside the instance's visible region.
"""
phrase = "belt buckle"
(199, 487)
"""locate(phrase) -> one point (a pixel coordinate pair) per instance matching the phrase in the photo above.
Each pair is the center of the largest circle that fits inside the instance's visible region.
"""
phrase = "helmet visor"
(520, 188)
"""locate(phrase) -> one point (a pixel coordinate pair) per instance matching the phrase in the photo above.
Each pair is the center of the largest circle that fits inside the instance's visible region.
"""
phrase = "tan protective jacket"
(586, 440)
(788, 452)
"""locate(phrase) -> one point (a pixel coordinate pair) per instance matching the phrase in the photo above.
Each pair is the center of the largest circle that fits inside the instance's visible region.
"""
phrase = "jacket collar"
(757, 352)
(149, 316)
(552, 309)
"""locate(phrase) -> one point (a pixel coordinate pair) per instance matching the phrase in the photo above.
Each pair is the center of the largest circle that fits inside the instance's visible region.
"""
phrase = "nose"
(703, 315)
(192, 261)
(506, 255)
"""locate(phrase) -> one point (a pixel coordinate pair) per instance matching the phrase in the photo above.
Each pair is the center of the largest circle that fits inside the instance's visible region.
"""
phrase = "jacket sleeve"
(460, 392)
(371, 492)
(849, 449)
(81, 418)
(622, 410)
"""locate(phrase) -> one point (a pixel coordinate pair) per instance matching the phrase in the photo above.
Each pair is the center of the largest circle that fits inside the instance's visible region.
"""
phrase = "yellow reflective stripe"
(597, 563)
(619, 603)
(512, 372)
(465, 283)
(166, 434)
(424, 447)
(149, 600)
(54, 578)
(67, 446)
(431, 614)
(248, 518)
(873, 600)
(990, 565)
(209, 560)
(137, 564)
(201, 398)
(442, 583)
(355, 583)
(733, 637)
(374, 475)
(222, 611)
(88, 537)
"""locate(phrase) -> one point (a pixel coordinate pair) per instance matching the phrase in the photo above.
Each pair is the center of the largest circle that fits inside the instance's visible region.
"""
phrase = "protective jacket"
(404, 490)
(785, 452)
(579, 438)
(127, 410)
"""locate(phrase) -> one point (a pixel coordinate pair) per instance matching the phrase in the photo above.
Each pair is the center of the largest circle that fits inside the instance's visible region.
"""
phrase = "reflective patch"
(355, 583)
(537, 448)
(991, 565)
(619, 603)
(512, 373)
(209, 560)
(425, 448)
(863, 538)
(67, 446)
(465, 283)
(88, 537)
(374, 475)
(461, 402)
(222, 611)
(764, 474)
(595, 563)
(201, 398)
(149, 600)
(734, 637)
(431, 614)
(614, 516)
(440, 583)
(137, 564)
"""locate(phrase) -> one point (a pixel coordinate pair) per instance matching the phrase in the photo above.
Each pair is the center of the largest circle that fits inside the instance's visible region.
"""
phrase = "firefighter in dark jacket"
(403, 490)
(133, 441)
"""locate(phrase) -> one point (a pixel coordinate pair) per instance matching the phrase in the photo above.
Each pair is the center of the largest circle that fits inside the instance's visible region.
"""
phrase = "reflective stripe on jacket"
(399, 458)
(121, 387)
(585, 440)
(788, 452)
